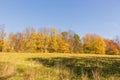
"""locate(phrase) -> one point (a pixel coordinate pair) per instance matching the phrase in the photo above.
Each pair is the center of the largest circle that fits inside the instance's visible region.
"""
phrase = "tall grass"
(7, 70)
(15, 66)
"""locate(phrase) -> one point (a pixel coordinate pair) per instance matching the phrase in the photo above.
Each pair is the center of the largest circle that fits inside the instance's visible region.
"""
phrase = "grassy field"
(58, 66)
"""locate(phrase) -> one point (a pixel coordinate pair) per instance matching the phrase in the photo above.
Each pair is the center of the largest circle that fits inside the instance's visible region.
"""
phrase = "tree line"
(49, 40)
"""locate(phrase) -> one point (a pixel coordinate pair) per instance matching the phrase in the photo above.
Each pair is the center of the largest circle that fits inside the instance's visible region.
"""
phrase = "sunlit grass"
(58, 66)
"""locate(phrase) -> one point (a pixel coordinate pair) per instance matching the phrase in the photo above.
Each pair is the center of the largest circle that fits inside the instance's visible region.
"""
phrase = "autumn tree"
(112, 47)
(77, 44)
(11, 42)
(2, 36)
(99, 45)
(54, 45)
(88, 43)
(15, 42)
(19, 44)
(46, 42)
(46, 38)
(71, 40)
(94, 44)
(39, 42)
(30, 35)
(63, 44)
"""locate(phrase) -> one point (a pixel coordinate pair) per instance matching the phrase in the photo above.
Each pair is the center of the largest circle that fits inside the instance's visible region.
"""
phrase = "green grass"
(58, 66)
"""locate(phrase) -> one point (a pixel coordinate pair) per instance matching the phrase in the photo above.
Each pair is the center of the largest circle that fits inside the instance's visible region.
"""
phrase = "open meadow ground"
(59, 66)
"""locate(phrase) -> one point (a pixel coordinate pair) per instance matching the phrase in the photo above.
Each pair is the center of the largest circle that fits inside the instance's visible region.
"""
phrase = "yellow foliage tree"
(46, 42)
(39, 42)
(54, 45)
(88, 43)
(63, 46)
(99, 45)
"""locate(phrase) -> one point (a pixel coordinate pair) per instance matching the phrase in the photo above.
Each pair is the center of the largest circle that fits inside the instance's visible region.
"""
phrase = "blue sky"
(82, 16)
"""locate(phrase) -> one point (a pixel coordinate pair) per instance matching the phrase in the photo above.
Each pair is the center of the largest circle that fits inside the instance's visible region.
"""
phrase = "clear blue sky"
(82, 16)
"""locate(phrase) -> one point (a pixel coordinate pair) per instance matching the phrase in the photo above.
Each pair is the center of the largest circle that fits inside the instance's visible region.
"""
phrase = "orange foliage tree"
(112, 47)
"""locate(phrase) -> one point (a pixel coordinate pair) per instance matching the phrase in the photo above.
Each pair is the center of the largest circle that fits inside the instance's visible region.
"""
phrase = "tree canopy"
(50, 40)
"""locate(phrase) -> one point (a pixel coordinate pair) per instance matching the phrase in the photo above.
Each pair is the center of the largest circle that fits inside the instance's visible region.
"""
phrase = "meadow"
(59, 66)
